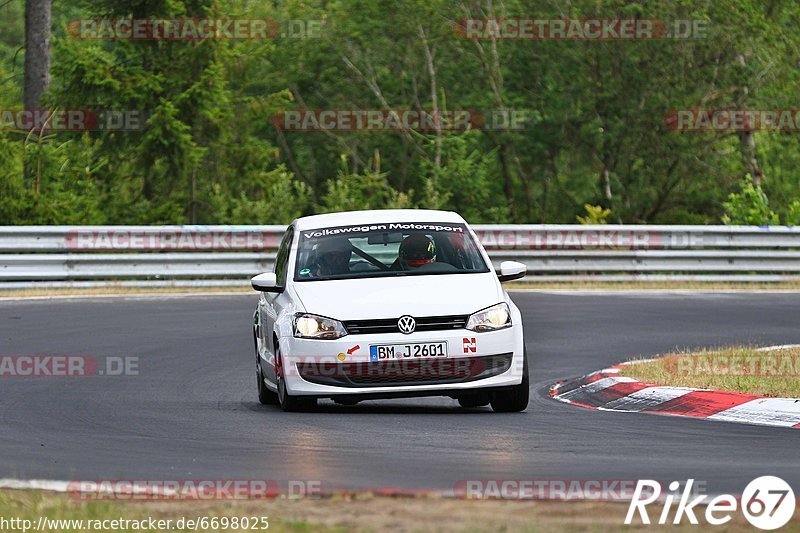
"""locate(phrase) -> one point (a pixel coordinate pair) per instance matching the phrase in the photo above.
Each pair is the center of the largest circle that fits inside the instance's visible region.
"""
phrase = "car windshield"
(392, 249)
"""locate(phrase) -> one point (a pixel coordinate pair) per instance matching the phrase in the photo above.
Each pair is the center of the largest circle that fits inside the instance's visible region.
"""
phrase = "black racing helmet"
(417, 250)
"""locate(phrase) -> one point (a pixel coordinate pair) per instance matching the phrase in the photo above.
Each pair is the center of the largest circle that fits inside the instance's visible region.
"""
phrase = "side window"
(282, 259)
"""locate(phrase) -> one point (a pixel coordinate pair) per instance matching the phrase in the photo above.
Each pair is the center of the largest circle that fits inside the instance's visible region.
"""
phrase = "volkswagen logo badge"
(406, 324)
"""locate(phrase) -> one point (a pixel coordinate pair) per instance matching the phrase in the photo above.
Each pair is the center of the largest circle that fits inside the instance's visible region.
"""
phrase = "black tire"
(515, 399)
(474, 400)
(265, 396)
(288, 402)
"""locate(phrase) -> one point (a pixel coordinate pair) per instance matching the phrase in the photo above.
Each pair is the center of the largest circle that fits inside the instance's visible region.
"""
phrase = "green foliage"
(793, 217)
(466, 181)
(595, 214)
(597, 134)
(367, 190)
(749, 206)
(280, 199)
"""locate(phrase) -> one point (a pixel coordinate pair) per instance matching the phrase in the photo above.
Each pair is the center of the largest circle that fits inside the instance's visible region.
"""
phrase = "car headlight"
(489, 319)
(308, 326)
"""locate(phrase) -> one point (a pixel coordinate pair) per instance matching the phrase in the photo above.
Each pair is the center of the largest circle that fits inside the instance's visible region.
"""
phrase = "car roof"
(377, 216)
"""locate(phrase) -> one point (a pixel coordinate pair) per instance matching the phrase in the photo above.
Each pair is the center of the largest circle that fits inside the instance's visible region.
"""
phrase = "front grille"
(398, 372)
(389, 325)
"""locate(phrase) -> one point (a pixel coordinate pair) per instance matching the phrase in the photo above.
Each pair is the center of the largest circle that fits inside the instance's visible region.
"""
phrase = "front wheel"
(471, 401)
(285, 398)
(265, 396)
(516, 398)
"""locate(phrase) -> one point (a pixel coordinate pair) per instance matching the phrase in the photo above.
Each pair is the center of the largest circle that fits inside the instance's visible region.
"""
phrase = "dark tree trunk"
(37, 69)
(37, 51)
(747, 138)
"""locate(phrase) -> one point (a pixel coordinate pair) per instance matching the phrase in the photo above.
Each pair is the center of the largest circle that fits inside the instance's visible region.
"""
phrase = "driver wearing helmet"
(332, 257)
(415, 251)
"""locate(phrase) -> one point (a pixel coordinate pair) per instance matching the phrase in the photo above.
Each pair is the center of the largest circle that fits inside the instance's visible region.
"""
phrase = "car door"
(271, 303)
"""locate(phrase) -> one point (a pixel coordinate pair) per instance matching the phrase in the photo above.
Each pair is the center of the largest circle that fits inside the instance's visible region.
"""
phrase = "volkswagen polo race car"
(386, 304)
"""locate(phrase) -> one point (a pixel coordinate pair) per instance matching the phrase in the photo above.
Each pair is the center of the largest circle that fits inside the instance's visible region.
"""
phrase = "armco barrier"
(225, 255)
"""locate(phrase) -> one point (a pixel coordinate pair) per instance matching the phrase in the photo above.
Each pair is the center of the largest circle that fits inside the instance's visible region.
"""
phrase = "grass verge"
(519, 285)
(119, 291)
(737, 369)
(654, 285)
(352, 512)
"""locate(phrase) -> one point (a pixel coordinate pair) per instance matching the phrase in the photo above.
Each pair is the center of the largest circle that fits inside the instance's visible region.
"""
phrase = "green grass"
(736, 369)
(30, 505)
(121, 291)
(516, 285)
(359, 512)
(654, 285)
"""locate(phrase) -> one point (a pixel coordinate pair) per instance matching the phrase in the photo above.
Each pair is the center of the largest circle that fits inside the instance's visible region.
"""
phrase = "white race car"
(387, 304)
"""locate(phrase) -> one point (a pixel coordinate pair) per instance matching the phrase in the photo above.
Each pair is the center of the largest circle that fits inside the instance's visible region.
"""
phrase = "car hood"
(366, 298)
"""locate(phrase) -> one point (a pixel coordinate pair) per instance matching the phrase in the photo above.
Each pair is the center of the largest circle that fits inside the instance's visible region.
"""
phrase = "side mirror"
(266, 282)
(511, 270)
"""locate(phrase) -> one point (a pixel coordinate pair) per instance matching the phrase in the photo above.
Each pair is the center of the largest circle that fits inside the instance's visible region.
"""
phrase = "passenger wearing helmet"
(332, 257)
(415, 251)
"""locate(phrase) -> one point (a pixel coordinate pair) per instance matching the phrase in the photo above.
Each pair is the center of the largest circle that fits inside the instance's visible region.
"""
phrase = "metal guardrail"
(225, 255)
(110, 266)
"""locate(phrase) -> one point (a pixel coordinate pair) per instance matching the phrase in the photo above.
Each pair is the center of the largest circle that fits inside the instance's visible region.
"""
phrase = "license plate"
(411, 350)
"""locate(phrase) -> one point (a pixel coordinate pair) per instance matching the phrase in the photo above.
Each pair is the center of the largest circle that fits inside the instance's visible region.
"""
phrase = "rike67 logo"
(768, 503)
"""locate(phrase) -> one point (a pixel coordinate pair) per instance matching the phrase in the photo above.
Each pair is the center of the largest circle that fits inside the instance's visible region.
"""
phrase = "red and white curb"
(606, 390)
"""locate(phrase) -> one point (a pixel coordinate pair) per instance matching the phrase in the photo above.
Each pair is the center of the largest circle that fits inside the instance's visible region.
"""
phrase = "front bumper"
(343, 367)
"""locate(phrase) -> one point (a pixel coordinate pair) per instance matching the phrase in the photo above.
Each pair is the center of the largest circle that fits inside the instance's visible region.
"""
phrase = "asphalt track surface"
(192, 412)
